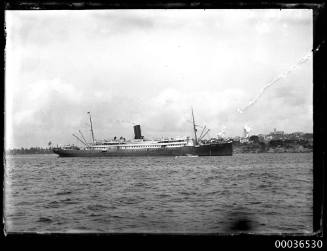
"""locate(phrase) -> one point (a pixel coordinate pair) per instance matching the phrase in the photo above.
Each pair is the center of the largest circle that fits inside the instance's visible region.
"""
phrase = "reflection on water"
(266, 193)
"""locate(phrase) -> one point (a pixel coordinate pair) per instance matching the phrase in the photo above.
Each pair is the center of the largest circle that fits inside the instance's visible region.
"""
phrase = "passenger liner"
(143, 147)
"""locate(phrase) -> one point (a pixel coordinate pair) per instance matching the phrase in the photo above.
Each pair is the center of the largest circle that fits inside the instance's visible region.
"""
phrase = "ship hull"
(219, 149)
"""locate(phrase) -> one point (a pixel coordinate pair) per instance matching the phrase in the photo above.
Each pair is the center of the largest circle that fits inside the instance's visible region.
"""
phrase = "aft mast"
(194, 128)
(91, 127)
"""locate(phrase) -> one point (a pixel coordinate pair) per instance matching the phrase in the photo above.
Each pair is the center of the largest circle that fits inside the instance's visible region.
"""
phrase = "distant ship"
(145, 147)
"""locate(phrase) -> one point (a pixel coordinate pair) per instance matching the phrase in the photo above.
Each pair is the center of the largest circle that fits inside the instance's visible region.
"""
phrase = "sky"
(149, 67)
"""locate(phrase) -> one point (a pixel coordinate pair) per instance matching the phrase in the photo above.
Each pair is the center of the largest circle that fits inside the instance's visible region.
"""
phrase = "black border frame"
(319, 119)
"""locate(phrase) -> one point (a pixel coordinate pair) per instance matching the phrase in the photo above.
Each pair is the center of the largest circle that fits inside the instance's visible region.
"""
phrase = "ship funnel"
(137, 132)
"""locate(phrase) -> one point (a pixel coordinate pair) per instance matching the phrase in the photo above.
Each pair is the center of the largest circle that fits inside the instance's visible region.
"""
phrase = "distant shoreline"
(249, 146)
(236, 150)
(13, 154)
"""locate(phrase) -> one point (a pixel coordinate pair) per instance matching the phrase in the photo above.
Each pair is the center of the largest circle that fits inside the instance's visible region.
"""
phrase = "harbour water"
(270, 192)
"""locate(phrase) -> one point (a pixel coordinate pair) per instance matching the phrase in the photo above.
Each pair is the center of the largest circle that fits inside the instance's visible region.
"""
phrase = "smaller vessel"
(191, 155)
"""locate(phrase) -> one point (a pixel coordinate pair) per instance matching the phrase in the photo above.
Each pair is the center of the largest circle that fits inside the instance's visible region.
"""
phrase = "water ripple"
(154, 194)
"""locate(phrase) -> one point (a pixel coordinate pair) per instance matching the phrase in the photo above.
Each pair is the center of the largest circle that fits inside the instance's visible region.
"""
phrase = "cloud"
(210, 108)
(262, 28)
(122, 21)
(150, 67)
(35, 97)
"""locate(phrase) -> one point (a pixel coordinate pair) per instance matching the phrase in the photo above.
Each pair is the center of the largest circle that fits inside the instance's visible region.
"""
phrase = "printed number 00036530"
(298, 243)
